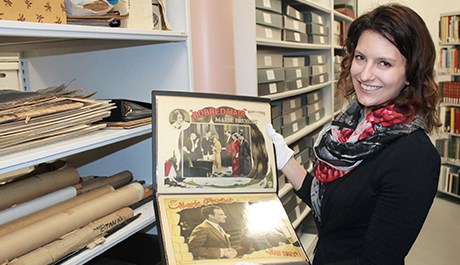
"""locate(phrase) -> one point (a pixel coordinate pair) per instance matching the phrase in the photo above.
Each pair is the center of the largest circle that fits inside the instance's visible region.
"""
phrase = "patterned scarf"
(344, 143)
(348, 140)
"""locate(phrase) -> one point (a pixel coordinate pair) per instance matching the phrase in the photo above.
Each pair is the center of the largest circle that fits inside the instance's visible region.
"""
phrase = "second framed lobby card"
(226, 229)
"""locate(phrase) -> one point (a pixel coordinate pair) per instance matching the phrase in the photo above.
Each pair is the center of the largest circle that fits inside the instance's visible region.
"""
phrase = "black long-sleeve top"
(373, 214)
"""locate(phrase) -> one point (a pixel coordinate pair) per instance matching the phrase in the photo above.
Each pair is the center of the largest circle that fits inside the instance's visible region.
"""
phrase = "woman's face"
(378, 70)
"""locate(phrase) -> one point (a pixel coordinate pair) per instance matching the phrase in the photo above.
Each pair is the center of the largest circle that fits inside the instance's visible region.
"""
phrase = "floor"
(439, 240)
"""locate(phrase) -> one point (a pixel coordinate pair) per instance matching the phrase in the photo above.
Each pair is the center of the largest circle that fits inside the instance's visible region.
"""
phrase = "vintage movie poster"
(226, 229)
(204, 143)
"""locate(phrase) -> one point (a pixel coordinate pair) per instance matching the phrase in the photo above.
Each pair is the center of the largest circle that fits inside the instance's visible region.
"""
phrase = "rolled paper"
(37, 204)
(24, 240)
(75, 240)
(118, 180)
(60, 207)
(25, 190)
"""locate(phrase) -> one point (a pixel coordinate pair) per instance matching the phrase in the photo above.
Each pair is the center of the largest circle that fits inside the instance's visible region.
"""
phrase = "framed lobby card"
(227, 229)
(208, 143)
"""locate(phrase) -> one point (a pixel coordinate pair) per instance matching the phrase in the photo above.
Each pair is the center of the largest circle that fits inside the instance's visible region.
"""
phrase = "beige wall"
(429, 10)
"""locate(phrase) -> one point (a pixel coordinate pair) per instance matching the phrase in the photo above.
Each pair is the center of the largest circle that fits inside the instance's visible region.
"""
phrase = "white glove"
(283, 152)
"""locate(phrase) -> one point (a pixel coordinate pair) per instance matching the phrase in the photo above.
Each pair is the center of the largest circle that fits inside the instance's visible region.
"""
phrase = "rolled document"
(116, 181)
(37, 204)
(74, 241)
(60, 207)
(38, 234)
(36, 186)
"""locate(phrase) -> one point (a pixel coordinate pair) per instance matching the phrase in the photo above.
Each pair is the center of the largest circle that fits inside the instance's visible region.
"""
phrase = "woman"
(233, 151)
(376, 171)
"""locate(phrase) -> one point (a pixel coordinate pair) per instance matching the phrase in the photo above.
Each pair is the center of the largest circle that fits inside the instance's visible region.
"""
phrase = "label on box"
(320, 20)
(272, 88)
(321, 79)
(315, 96)
(321, 30)
(267, 18)
(320, 59)
(316, 106)
(270, 74)
(296, 25)
(292, 102)
(295, 62)
(268, 33)
(317, 116)
(321, 39)
(295, 127)
(268, 60)
(267, 3)
(293, 117)
(299, 83)
(296, 36)
(298, 73)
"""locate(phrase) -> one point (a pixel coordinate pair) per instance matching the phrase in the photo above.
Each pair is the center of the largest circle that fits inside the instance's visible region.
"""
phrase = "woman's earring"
(406, 83)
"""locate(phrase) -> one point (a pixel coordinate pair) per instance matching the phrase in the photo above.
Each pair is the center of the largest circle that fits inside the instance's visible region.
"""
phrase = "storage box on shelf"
(101, 59)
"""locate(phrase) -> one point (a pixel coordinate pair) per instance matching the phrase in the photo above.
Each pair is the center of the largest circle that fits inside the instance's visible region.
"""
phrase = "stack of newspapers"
(30, 119)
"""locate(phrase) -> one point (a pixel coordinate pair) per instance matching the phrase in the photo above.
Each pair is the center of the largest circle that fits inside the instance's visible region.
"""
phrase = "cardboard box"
(292, 12)
(290, 35)
(290, 104)
(293, 73)
(319, 69)
(315, 59)
(293, 61)
(270, 75)
(41, 11)
(293, 127)
(269, 60)
(319, 79)
(269, 33)
(317, 39)
(270, 19)
(270, 5)
(271, 88)
(313, 17)
(317, 29)
(292, 116)
(295, 25)
(298, 83)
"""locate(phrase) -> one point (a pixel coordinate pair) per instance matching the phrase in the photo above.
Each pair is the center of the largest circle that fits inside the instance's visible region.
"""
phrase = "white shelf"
(147, 217)
(69, 147)
(295, 92)
(23, 30)
(300, 218)
(450, 194)
(285, 189)
(309, 243)
(307, 130)
(292, 45)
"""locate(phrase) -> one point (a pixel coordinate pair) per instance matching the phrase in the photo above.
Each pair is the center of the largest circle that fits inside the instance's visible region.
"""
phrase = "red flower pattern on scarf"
(383, 118)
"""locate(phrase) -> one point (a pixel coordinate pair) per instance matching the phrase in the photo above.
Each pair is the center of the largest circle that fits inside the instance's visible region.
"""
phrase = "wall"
(427, 9)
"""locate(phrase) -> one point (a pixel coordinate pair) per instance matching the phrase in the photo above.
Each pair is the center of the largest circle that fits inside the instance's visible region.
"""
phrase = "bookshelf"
(449, 143)
(292, 56)
(115, 63)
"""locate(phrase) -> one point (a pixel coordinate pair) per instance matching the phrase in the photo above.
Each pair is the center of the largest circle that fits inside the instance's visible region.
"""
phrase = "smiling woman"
(376, 170)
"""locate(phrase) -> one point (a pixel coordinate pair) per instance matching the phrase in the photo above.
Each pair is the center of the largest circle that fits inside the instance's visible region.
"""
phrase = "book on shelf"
(449, 180)
(450, 92)
(449, 60)
(449, 29)
(452, 120)
(215, 175)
